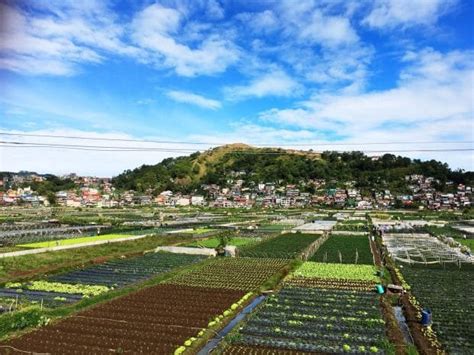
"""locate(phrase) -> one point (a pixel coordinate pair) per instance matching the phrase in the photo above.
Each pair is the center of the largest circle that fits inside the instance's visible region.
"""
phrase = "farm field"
(199, 231)
(214, 242)
(71, 241)
(337, 271)
(287, 246)
(350, 249)
(448, 294)
(126, 298)
(120, 272)
(309, 319)
(31, 265)
(94, 280)
(158, 319)
(232, 273)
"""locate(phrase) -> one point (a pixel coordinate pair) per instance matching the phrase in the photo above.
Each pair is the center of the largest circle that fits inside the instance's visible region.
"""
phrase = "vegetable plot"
(232, 273)
(71, 241)
(350, 249)
(85, 290)
(156, 320)
(448, 293)
(287, 246)
(316, 320)
(337, 271)
(118, 273)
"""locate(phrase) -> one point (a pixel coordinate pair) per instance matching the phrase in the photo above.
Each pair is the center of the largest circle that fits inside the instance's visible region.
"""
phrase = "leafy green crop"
(337, 271)
(86, 290)
(349, 249)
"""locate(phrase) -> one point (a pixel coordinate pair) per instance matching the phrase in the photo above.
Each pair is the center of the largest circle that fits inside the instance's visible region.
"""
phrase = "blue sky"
(280, 73)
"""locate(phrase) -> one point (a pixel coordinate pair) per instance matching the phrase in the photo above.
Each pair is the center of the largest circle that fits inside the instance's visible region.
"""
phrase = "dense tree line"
(189, 173)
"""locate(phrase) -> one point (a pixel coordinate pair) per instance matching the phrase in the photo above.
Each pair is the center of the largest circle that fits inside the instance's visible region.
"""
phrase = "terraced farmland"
(232, 273)
(154, 320)
(287, 246)
(349, 249)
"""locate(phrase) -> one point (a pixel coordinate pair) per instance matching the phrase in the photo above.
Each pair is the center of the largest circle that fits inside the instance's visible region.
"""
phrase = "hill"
(283, 166)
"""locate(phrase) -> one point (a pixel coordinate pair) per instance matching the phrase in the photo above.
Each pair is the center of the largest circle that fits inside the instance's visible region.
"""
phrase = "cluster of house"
(99, 192)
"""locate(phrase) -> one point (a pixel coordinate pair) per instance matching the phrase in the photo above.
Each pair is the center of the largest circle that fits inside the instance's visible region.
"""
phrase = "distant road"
(72, 246)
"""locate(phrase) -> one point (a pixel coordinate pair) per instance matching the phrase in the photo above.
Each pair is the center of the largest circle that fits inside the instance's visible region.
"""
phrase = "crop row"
(448, 293)
(345, 249)
(232, 273)
(316, 320)
(154, 320)
(85, 290)
(287, 246)
(12, 297)
(121, 272)
(338, 284)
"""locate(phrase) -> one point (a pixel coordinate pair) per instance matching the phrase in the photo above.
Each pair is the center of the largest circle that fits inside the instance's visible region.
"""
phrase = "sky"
(326, 75)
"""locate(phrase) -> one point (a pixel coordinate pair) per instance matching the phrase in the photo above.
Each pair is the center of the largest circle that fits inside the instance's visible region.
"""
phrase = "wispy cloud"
(155, 29)
(273, 83)
(433, 87)
(193, 99)
(406, 13)
(59, 39)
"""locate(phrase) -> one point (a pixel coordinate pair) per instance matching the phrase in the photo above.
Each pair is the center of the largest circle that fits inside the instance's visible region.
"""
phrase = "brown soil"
(375, 253)
(394, 334)
(155, 320)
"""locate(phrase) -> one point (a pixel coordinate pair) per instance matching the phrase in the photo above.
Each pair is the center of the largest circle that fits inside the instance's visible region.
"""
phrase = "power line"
(274, 151)
(217, 143)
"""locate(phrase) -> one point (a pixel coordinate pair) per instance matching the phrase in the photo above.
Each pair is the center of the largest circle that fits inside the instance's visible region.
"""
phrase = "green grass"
(72, 241)
(467, 242)
(214, 242)
(199, 231)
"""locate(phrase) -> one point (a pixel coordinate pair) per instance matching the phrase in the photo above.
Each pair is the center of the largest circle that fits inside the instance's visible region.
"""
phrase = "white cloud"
(328, 30)
(405, 13)
(434, 86)
(58, 40)
(274, 83)
(432, 100)
(263, 22)
(155, 30)
(306, 22)
(193, 99)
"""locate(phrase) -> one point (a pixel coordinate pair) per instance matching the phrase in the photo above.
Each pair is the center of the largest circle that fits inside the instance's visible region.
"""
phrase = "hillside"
(282, 166)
